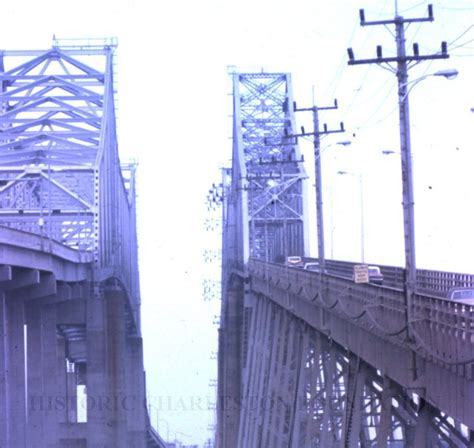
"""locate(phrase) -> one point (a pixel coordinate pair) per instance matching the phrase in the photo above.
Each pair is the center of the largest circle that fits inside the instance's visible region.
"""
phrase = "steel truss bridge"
(310, 359)
(69, 286)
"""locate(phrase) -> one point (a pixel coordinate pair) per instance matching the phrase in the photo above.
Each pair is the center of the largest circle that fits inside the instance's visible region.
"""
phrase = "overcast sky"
(174, 108)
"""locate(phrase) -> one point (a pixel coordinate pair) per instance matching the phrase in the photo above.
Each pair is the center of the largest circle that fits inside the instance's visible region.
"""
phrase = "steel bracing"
(315, 360)
(268, 171)
(69, 285)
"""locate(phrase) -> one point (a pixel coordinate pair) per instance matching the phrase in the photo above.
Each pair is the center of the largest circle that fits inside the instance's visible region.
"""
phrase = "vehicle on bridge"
(294, 261)
(314, 266)
(375, 276)
(465, 295)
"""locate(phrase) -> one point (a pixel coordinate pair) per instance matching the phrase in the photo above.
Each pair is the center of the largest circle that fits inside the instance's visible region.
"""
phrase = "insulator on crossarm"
(444, 48)
(416, 50)
(302, 129)
(362, 16)
(379, 52)
(430, 12)
(350, 53)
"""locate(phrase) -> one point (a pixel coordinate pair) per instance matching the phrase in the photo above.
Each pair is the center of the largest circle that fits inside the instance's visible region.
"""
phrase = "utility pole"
(402, 61)
(316, 134)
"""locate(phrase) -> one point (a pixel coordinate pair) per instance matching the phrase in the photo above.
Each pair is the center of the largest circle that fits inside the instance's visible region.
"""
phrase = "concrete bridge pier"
(13, 410)
(115, 377)
(135, 403)
(55, 339)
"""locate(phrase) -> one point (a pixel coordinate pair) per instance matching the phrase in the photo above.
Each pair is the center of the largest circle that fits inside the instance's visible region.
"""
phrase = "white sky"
(174, 108)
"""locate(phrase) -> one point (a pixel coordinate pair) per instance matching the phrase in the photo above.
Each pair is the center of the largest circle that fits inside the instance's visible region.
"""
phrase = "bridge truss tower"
(264, 215)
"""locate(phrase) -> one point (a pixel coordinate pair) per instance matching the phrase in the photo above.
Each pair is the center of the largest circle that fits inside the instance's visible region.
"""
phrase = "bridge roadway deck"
(370, 321)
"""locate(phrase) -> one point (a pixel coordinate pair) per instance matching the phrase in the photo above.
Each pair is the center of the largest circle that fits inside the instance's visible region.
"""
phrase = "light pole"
(361, 196)
(319, 201)
(407, 175)
(319, 192)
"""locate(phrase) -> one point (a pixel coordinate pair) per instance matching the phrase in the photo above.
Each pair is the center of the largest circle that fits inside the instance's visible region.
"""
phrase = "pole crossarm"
(415, 58)
(401, 57)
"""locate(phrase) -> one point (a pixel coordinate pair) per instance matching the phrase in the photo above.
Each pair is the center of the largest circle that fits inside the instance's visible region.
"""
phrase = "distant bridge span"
(315, 360)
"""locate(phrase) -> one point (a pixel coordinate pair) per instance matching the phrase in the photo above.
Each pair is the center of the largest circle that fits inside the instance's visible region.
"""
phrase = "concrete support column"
(136, 427)
(15, 372)
(117, 365)
(3, 375)
(54, 392)
(36, 401)
(99, 424)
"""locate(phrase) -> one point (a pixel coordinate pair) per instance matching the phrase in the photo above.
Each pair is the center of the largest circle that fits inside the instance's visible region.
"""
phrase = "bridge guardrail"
(442, 330)
(428, 281)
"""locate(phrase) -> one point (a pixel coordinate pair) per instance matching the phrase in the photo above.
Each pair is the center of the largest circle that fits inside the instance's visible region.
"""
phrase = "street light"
(319, 195)
(448, 74)
(407, 186)
(362, 230)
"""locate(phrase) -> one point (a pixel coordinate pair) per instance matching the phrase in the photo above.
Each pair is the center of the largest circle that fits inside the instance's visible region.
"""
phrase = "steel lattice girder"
(51, 115)
(60, 173)
(301, 389)
(267, 165)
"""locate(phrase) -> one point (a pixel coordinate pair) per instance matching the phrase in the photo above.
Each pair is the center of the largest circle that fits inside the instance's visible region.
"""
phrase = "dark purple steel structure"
(69, 286)
(316, 360)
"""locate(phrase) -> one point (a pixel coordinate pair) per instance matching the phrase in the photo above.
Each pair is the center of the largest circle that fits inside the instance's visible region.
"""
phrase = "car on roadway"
(294, 261)
(311, 266)
(314, 266)
(375, 276)
(461, 294)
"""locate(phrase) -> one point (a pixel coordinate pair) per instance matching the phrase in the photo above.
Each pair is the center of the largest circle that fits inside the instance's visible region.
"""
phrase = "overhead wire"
(338, 76)
(353, 100)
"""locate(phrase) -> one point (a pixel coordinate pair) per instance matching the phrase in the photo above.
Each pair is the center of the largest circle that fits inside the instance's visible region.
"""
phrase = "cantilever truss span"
(268, 173)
